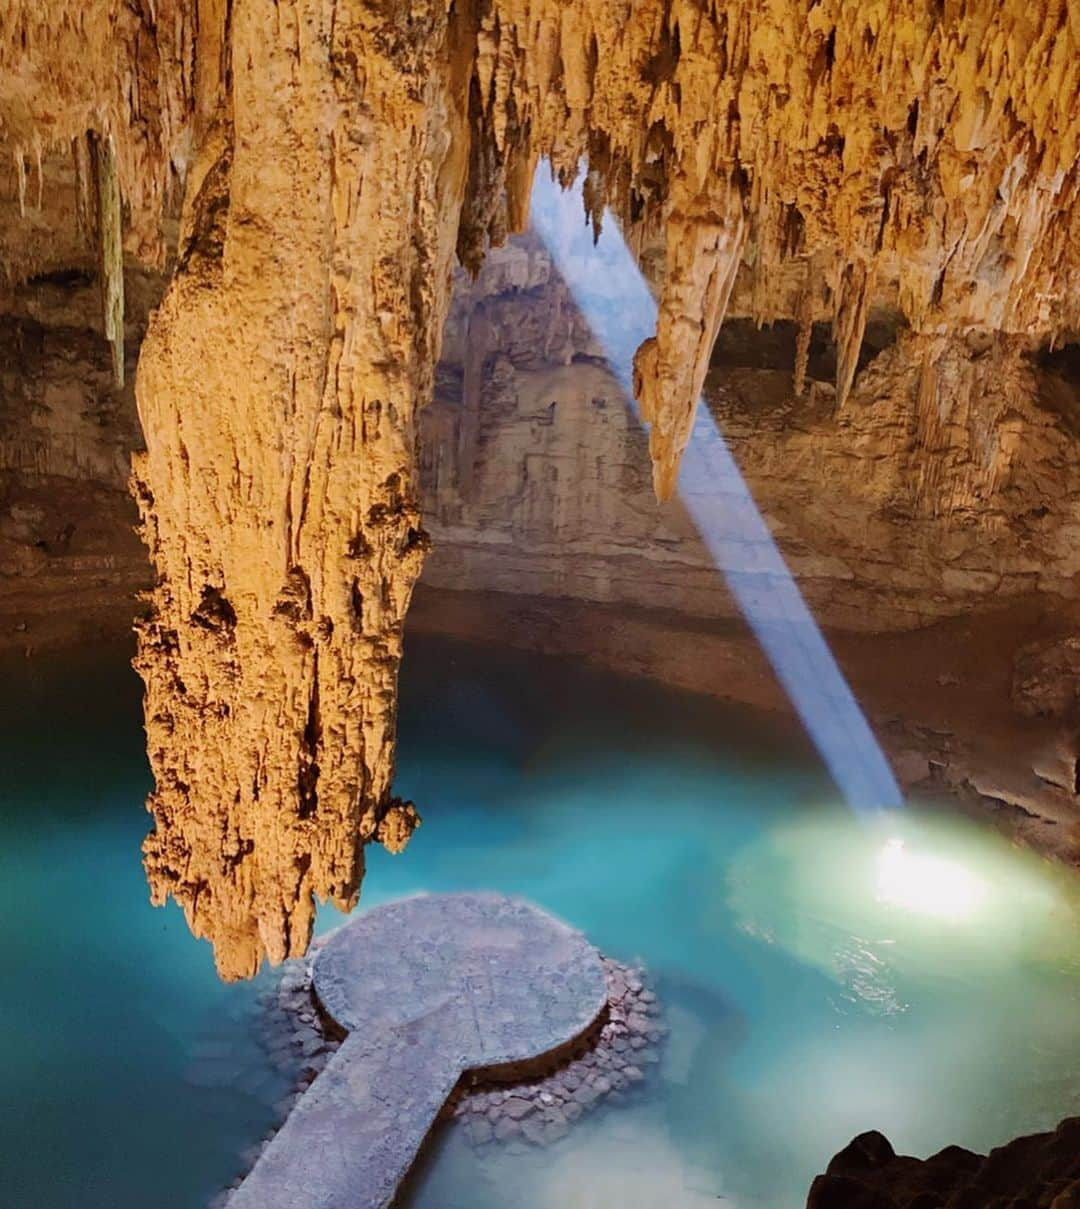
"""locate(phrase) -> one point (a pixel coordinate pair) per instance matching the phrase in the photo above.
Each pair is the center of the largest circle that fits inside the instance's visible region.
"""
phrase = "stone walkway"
(428, 987)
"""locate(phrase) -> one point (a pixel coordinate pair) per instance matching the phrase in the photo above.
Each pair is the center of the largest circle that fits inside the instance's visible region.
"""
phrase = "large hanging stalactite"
(277, 387)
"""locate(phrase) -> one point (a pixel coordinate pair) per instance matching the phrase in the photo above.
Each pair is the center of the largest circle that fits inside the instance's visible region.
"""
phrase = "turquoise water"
(813, 987)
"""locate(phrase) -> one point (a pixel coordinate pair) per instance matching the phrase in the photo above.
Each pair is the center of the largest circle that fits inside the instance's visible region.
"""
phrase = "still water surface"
(811, 989)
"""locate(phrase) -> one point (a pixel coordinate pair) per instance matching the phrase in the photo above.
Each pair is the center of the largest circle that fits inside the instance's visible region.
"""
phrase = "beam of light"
(608, 288)
(927, 885)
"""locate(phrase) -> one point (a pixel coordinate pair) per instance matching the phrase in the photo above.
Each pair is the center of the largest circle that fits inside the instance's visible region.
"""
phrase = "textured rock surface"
(326, 160)
(277, 388)
(113, 71)
(70, 563)
(606, 1067)
(914, 501)
(1041, 1171)
(1046, 678)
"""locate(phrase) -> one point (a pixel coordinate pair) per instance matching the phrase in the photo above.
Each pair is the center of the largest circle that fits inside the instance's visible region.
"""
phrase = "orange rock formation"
(327, 157)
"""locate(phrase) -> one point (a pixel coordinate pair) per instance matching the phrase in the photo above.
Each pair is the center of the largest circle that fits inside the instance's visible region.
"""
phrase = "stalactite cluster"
(814, 159)
(116, 68)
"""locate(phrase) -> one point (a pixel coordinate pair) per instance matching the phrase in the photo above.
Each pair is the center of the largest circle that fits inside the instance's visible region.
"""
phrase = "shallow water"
(811, 994)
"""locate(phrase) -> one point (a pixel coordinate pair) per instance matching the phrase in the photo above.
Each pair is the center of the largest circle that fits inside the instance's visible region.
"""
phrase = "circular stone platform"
(518, 982)
(428, 988)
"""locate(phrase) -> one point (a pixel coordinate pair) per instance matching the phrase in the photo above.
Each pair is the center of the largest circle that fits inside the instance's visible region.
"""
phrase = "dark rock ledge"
(1041, 1171)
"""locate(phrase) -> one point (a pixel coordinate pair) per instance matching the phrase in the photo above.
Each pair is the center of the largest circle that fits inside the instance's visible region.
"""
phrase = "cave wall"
(912, 502)
(71, 563)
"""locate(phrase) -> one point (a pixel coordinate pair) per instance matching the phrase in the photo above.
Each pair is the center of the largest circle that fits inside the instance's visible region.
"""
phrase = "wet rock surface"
(1041, 1171)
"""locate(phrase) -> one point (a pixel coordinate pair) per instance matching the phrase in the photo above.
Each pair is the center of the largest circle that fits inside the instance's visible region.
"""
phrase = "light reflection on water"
(803, 1008)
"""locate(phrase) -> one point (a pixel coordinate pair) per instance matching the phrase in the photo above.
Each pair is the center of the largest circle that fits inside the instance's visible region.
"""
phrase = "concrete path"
(428, 987)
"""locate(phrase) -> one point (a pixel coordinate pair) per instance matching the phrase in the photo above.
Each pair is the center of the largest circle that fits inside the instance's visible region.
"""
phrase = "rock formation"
(817, 159)
(1041, 1171)
(933, 531)
(280, 379)
(70, 563)
(913, 502)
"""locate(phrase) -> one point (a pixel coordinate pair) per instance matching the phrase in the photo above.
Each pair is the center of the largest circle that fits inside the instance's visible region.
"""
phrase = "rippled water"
(812, 991)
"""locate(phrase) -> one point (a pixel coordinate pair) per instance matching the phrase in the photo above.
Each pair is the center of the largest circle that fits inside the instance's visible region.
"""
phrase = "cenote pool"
(813, 987)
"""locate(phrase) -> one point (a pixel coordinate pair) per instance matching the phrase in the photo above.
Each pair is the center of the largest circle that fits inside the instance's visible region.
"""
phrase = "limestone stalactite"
(810, 158)
(110, 235)
(278, 386)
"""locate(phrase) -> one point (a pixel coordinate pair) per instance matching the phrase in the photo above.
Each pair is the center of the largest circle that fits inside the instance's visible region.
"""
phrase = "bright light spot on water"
(614, 298)
(931, 898)
(927, 884)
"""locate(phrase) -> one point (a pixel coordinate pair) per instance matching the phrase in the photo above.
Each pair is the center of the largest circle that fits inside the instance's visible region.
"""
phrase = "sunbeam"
(615, 300)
